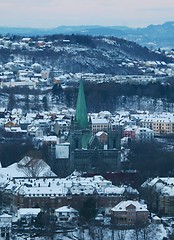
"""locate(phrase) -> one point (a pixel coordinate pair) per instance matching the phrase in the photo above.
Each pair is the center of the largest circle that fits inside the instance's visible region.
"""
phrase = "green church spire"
(81, 112)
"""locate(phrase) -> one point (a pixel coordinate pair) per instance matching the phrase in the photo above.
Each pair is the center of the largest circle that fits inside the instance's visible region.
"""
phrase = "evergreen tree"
(88, 211)
(11, 102)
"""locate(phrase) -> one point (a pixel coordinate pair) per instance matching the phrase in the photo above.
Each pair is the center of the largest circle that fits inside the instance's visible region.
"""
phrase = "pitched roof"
(66, 209)
(29, 211)
(122, 206)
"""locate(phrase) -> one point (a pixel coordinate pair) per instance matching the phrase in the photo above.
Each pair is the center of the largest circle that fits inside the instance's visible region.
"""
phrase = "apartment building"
(161, 124)
(99, 124)
(160, 195)
(58, 192)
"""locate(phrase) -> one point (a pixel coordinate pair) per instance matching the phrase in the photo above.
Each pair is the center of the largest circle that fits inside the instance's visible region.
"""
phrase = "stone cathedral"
(86, 151)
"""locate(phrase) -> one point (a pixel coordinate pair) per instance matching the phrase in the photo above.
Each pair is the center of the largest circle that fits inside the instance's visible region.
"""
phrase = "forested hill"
(82, 53)
(111, 96)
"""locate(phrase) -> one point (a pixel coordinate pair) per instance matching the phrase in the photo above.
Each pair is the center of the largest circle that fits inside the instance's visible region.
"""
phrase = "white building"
(5, 226)
(66, 214)
(144, 134)
(27, 215)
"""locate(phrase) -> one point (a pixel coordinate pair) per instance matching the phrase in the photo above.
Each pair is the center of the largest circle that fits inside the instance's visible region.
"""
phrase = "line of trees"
(151, 159)
(103, 96)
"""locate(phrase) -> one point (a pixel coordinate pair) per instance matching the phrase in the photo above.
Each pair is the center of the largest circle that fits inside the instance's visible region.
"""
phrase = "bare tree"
(34, 167)
(81, 233)
(92, 231)
(151, 195)
(99, 235)
(121, 234)
(146, 232)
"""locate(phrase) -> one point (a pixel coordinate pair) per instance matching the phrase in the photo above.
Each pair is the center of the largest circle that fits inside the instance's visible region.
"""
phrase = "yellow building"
(160, 125)
(99, 124)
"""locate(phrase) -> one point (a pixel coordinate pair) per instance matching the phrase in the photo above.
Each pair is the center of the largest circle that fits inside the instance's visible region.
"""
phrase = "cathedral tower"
(81, 116)
(81, 133)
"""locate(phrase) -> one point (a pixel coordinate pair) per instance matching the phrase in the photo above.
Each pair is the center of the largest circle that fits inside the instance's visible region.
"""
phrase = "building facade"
(159, 194)
(71, 191)
(129, 213)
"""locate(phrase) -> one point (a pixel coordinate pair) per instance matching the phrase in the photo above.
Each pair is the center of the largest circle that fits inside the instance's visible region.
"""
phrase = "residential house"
(27, 215)
(66, 214)
(144, 134)
(138, 133)
(129, 132)
(129, 213)
(102, 137)
(5, 226)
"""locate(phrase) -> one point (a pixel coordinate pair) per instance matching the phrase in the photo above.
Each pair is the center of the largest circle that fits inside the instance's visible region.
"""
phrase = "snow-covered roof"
(156, 218)
(24, 161)
(115, 190)
(82, 189)
(122, 206)
(105, 113)
(50, 138)
(21, 169)
(44, 191)
(157, 117)
(99, 121)
(130, 128)
(15, 129)
(28, 211)
(150, 182)
(42, 187)
(168, 190)
(2, 109)
(66, 209)
(98, 134)
(5, 215)
(163, 185)
(144, 130)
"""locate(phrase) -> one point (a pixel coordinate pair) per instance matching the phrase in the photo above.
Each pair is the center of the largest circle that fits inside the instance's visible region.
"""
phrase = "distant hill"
(23, 31)
(90, 54)
(153, 36)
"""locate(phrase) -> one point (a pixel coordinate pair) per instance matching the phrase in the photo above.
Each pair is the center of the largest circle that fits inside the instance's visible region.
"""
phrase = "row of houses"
(140, 127)
(145, 126)
(126, 214)
(20, 189)
(67, 195)
(160, 124)
(30, 183)
(138, 133)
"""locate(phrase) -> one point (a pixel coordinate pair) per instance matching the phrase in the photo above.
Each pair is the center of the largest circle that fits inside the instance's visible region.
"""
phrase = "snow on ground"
(153, 231)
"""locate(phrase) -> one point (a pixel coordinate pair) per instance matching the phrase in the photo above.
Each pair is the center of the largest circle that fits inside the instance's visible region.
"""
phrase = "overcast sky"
(53, 13)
